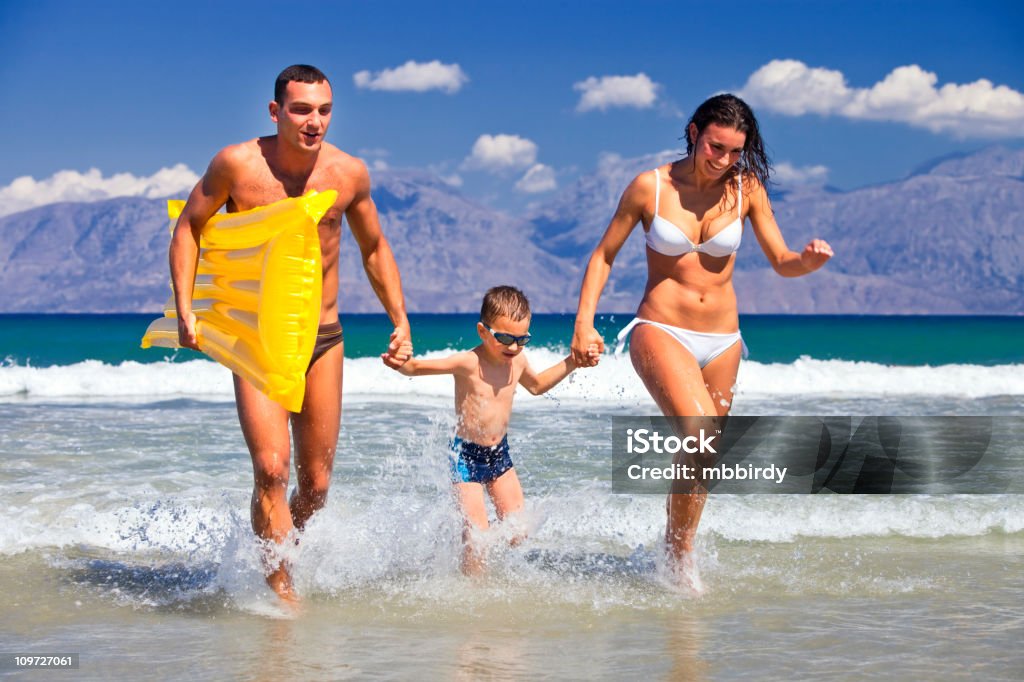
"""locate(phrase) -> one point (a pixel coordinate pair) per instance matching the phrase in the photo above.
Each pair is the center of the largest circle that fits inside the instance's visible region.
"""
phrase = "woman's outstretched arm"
(785, 262)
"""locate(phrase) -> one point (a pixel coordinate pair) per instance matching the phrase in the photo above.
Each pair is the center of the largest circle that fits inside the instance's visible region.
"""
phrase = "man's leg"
(316, 435)
(265, 428)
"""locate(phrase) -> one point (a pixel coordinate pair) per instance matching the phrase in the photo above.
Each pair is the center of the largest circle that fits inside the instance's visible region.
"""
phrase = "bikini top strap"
(657, 190)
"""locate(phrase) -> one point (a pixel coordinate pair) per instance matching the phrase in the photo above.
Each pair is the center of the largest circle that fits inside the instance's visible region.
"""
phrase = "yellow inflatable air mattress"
(257, 294)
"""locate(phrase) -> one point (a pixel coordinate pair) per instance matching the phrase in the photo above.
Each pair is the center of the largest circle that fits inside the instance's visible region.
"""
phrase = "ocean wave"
(614, 381)
(195, 527)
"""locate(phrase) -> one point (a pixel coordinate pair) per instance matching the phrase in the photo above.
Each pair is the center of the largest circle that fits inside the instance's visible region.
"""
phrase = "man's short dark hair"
(301, 73)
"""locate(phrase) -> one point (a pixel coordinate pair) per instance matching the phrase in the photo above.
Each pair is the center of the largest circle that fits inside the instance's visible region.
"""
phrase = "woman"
(686, 344)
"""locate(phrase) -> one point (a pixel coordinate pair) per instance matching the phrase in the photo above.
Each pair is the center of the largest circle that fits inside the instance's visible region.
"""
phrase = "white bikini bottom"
(704, 346)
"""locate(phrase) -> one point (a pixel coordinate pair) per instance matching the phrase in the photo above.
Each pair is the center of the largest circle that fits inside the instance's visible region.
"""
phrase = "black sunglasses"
(508, 339)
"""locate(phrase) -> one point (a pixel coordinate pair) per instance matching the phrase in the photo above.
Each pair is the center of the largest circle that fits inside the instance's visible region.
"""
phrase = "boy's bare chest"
(490, 385)
(486, 392)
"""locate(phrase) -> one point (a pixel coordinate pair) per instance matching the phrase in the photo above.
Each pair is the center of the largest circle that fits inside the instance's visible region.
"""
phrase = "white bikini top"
(668, 239)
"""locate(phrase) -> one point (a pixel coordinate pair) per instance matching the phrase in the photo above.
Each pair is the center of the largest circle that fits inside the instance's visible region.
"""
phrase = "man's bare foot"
(281, 583)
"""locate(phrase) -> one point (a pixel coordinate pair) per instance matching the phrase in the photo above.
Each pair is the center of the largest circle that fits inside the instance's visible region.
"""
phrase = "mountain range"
(944, 240)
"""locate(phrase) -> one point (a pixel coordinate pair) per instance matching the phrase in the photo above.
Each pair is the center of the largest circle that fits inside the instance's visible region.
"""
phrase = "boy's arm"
(543, 382)
(453, 364)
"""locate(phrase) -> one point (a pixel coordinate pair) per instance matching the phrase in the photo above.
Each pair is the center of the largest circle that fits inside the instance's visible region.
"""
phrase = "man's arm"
(212, 192)
(380, 266)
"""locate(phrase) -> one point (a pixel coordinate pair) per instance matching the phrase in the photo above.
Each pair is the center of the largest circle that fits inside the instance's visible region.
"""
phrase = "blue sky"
(541, 90)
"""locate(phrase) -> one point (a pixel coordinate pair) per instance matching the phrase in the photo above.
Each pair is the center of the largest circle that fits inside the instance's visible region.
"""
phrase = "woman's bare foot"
(684, 573)
(681, 571)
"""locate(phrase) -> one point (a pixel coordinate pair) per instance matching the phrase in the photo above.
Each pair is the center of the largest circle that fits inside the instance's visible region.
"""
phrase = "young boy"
(485, 383)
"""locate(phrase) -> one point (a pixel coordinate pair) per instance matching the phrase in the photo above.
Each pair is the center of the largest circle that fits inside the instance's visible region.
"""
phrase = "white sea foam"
(401, 534)
(161, 526)
(614, 381)
(95, 379)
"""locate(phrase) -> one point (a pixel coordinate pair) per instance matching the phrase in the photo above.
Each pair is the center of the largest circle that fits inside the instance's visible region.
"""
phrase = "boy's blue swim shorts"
(472, 463)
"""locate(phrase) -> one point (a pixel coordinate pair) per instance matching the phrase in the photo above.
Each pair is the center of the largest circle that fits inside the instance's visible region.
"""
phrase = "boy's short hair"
(504, 301)
(302, 73)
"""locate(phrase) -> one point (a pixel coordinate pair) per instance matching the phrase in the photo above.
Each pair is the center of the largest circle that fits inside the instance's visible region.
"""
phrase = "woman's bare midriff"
(682, 292)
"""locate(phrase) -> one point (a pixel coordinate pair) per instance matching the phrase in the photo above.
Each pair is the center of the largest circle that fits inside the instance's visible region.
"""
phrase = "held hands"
(815, 254)
(187, 331)
(587, 346)
(399, 349)
(591, 358)
(406, 367)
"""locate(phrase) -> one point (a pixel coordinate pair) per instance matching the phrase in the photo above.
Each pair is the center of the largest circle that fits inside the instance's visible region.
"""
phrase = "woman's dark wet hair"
(732, 112)
(301, 73)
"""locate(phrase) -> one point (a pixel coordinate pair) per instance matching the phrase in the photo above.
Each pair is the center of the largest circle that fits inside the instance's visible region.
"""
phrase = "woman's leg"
(692, 399)
(720, 378)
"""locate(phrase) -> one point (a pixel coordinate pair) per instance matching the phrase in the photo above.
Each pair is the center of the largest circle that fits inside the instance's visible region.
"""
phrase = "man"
(256, 173)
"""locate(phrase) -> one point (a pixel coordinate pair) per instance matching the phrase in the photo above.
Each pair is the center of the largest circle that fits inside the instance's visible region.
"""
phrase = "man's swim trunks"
(327, 337)
(472, 463)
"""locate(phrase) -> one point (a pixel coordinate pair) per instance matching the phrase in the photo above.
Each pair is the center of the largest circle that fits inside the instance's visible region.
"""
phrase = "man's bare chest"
(258, 189)
(261, 186)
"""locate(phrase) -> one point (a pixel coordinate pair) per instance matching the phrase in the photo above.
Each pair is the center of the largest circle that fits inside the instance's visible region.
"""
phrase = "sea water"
(125, 487)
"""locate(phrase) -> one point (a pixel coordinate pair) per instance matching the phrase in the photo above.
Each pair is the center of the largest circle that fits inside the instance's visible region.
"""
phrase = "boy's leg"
(265, 428)
(507, 495)
(474, 514)
(316, 435)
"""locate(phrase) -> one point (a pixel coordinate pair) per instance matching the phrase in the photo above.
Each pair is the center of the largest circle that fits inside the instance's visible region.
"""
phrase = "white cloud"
(501, 152)
(787, 174)
(539, 178)
(455, 180)
(608, 161)
(67, 185)
(791, 87)
(605, 92)
(375, 158)
(414, 77)
(908, 94)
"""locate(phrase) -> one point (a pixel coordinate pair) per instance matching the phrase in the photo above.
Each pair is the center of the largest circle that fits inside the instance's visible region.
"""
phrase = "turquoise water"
(46, 340)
